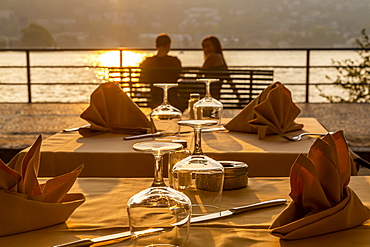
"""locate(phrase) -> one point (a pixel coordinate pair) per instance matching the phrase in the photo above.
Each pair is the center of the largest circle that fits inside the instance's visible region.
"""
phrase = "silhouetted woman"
(214, 60)
(213, 56)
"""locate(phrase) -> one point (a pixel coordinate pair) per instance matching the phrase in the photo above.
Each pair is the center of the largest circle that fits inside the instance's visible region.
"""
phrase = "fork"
(299, 137)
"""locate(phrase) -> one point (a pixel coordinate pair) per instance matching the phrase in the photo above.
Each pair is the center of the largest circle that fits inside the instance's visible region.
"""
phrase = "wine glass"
(159, 206)
(208, 108)
(198, 176)
(164, 118)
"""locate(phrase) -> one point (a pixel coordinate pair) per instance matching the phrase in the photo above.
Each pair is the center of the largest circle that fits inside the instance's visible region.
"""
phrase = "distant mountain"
(238, 23)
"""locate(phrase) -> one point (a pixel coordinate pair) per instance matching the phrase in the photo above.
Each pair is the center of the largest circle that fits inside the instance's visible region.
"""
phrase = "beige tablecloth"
(108, 155)
(104, 212)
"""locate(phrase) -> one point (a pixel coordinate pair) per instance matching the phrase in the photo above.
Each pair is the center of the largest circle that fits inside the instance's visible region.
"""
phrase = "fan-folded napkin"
(111, 110)
(27, 205)
(272, 112)
(322, 201)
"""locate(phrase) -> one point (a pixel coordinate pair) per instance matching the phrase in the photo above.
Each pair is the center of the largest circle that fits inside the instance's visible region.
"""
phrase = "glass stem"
(158, 171)
(208, 90)
(165, 96)
(198, 141)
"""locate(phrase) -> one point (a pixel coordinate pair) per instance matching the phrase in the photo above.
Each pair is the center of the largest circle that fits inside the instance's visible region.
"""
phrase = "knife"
(238, 210)
(123, 235)
(126, 235)
(158, 134)
(77, 128)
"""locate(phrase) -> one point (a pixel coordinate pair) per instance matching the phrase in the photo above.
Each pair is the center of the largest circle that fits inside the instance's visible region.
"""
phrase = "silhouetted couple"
(164, 68)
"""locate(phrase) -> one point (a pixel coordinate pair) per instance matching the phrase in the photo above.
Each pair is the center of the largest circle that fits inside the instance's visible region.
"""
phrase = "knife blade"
(238, 210)
(77, 128)
(159, 134)
(123, 235)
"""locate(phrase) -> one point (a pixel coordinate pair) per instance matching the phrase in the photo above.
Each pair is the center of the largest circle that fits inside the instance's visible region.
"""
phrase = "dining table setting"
(260, 176)
(102, 139)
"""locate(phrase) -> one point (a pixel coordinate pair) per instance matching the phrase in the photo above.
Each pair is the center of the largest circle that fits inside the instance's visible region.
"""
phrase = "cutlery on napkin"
(27, 205)
(322, 201)
(111, 110)
(272, 112)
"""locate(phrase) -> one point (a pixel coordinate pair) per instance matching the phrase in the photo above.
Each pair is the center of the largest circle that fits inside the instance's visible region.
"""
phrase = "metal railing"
(28, 65)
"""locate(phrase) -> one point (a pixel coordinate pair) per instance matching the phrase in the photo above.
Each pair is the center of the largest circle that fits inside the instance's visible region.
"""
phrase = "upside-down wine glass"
(159, 206)
(164, 118)
(198, 176)
(208, 108)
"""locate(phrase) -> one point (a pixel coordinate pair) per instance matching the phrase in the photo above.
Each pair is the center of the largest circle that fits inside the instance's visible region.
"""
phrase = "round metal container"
(235, 174)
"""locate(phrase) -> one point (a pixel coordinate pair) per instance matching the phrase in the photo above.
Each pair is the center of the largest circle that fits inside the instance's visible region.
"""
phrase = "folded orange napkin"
(111, 110)
(27, 205)
(272, 112)
(322, 201)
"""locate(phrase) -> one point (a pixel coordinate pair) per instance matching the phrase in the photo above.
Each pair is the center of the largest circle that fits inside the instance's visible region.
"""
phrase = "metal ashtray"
(235, 174)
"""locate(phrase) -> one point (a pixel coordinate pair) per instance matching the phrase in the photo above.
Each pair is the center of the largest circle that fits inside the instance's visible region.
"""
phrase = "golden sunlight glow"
(109, 59)
(129, 58)
(112, 59)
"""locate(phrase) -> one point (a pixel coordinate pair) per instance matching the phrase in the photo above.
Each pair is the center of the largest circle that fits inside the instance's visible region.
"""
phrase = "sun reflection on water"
(112, 59)
(129, 58)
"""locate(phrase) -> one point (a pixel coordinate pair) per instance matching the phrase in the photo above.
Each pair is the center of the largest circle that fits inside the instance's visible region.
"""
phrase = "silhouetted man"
(161, 68)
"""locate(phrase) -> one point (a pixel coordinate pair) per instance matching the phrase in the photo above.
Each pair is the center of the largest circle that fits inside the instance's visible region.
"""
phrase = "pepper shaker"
(194, 97)
(176, 156)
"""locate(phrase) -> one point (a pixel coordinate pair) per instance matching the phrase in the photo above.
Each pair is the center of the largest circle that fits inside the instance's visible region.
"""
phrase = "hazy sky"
(240, 23)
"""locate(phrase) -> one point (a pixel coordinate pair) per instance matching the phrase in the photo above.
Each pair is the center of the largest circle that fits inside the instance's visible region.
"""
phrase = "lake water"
(81, 93)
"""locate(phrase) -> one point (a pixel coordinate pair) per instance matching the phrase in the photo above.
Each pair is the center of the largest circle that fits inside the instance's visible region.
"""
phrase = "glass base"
(201, 179)
(167, 237)
(159, 207)
(200, 209)
(161, 245)
(166, 126)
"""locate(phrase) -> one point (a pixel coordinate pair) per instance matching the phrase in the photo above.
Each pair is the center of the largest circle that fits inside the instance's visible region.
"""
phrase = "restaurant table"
(108, 155)
(104, 212)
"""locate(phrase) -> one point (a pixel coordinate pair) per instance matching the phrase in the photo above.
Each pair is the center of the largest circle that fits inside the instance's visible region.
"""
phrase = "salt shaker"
(194, 97)
(176, 156)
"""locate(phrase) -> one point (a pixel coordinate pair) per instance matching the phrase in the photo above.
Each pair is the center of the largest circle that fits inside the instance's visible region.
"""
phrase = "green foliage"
(36, 36)
(354, 76)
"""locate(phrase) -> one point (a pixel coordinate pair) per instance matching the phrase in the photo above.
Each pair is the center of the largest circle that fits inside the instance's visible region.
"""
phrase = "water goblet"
(159, 206)
(164, 118)
(198, 176)
(208, 108)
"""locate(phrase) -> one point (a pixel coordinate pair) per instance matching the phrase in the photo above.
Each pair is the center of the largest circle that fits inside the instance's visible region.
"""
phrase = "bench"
(239, 86)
